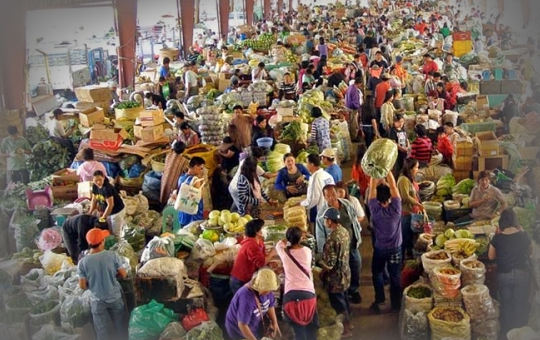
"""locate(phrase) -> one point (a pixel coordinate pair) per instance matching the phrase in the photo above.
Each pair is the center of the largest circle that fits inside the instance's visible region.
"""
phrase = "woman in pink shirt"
(86, 170)
(299, 301)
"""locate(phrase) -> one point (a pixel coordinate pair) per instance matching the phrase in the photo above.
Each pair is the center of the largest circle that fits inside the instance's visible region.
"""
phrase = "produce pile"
(231, 223)
(330, 326)
(211, 125)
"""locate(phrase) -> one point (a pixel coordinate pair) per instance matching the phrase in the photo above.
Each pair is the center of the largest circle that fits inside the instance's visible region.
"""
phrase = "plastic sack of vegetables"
(148, 321)
(472, 272)
(413, 325)
(32, 280)
(418, 298)
(449, 322)
(75, 311)
(478, 303)
(52, 262)
(123, 248)
(446, 281)
(134, 235)
(158, 247)
(434, 259)
(49, 332)
(380, 158)
(173, 331)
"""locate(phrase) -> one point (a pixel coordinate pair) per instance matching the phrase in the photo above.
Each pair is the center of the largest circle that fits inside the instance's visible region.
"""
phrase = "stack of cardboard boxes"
(463, 164)
(151, 126)
(93, 96)
(489, 156)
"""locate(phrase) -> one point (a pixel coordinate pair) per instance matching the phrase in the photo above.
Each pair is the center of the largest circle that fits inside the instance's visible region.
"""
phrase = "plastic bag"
(478, 303)
(151, 187)
(206, 330)
(148, 321)
(142, 205)
(441, 329)
(135, 236)
(380, 158)
(446, 281)
(158, 247)
(75, 311)
(195, 317)
(49, 239)
(43, 296)
(124, 249)
(413, 325)
(173, 331)
(48, 332)
(203, 249)
(66, 271)
(415, 305)
(166, 266)
(430, 260)
(32, 280)
(52, 262)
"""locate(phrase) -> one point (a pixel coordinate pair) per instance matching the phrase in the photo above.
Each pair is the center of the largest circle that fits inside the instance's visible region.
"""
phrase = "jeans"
(368, 135)
(109, 319)
(355, 263)
(392, 259)
(407, 235)
(340, 303)
(514, 291)
(235, 284)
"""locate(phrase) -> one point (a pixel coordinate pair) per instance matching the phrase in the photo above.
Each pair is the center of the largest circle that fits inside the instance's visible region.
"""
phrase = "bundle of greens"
(293, 132)
(35, 134)
(47, 157)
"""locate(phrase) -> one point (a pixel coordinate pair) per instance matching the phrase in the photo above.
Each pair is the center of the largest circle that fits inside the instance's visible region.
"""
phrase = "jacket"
(321, 233)
(249, 259)
(318, 180)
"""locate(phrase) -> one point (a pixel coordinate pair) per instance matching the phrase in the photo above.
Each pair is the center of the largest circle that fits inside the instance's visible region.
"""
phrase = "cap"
(332, 214)
(265, 280)
(329, 153)
(399, 58)
(95, 236)
(385, 76)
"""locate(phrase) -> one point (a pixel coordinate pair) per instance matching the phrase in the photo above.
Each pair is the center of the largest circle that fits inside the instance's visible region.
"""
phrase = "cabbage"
(302, 157)
(464, 187)
(281, 149)
(380, 158)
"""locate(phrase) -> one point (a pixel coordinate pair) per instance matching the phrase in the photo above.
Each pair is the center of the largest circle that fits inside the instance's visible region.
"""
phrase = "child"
(398, 135)
(445, 147)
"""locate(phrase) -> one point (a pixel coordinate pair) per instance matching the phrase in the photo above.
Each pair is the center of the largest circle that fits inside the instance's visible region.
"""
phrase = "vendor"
(486, 201)
(107, 203)
(59, 134)
(243, 124)
(230, 155)
(258, 73)
(287, 90)
(86, 170)
(291, 179)
(261, 130)
(74, 231)
(187, 135)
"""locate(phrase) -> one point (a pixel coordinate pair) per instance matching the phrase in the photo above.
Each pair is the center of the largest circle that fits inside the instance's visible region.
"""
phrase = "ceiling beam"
(57, 4)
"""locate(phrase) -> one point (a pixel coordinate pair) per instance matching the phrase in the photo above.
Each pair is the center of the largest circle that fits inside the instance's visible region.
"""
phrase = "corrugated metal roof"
(51, 4)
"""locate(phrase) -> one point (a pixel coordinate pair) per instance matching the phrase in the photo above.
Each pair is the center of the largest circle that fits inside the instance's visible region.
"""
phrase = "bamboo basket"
(156, 166)
(206, 152)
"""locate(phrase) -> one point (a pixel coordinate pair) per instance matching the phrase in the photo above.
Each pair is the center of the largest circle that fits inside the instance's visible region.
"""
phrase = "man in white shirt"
(59, 134)
(318, 180)
(259, 72)
(190, 81)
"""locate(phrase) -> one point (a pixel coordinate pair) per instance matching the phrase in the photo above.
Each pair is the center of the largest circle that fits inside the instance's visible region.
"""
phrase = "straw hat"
(265, 280)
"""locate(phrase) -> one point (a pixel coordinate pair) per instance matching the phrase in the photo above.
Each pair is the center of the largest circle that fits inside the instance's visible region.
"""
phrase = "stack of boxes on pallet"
(463, 164)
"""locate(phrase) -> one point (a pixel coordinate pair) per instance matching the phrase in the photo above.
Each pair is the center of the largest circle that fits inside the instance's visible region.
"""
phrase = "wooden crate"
(492, 163)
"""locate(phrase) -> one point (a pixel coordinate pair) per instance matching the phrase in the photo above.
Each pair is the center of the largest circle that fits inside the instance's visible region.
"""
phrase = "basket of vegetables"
(128, 110)
(156, 160)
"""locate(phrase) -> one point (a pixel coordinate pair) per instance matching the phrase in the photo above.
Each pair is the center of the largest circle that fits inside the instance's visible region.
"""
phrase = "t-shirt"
(101, 195)
(295, 279)
(86, 170)
(229, 163)
(512, 251)
(400, 137)
(243, 308)
(100, 272)
(183, 217)
(386, 223)
(56, 129)
(9, 146)
(191, 79)
(486, 210)
(335, 171)
(233, 185)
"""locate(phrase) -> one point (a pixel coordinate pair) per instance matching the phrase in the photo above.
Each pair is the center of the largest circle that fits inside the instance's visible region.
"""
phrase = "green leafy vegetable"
(128, 105)
(293, 131)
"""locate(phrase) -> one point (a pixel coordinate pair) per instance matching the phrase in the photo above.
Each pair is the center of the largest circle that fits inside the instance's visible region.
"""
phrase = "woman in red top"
(358, 175)
(251, 256)
(429, 65)
(421, 148)
(445, 147)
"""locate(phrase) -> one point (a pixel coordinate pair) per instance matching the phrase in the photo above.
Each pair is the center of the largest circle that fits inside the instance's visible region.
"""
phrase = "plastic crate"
(454, 214)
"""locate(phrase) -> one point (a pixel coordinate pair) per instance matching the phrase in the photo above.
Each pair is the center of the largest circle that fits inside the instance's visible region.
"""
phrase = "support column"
(13, 56)
(267, 9)
(279, 7)
(526, 11)
(187, 9)
(126, 16)
(249, 11)
(500, 4)
(224, 11)
(290, 5)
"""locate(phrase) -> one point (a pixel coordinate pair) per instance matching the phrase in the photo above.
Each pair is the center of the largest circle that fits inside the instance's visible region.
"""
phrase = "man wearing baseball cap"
(97, 272)
(328, 158)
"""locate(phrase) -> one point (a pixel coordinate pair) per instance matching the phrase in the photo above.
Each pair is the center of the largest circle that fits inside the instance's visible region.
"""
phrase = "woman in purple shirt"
(322, 48)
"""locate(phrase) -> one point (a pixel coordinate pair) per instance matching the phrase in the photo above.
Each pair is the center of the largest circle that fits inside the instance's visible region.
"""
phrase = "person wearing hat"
(429, 65)
(230, 154)
(336, 273)
(384, 202)
(328, 158)
(251, 303)
(97, 272)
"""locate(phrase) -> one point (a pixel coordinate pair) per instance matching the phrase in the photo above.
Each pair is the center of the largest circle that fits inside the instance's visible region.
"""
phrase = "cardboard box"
(93, 93)
(149, 133)
(488, 144)
(464, 148)
(461, 174)
(64, 185)
(492, 163)
(224, 75)
(482, 102)
(463, 163)
(151, 117)
(529, 153)
(105, 138)
(223, 84)
(91, 116)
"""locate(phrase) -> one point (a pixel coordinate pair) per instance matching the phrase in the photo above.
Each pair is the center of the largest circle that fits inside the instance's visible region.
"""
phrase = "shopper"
(195, 171)
(187, 135)
(317, 181)
(86, 170)
(328, 158)
(191, 82)
(97, 272)
(320, 130)
(74, 230)
(445, 147)
(421, 147)
(410, 202)
(398, 135)
(250, 194)
(250, 305)
(387, 113)
(370, 127)
(336, 274)
(358, 175)
(299, 300)
(511, 249)
(107, 203)
(13, 148)
(292, 179)
(353, 102)
(251, 256)
(384, 203)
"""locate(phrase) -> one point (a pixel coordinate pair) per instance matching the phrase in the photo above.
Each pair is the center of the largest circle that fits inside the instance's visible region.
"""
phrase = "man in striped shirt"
(422, 147)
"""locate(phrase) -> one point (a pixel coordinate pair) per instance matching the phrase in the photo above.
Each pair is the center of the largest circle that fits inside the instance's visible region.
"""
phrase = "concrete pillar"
(126, 16)
(526, 10)
(279, 7)
(267, 9)
(224, 16)
(187, 9)
(13, 56)
(249, 11)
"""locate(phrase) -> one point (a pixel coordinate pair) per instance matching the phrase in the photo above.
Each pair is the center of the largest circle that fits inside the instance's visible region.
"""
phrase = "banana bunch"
(461, 247)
